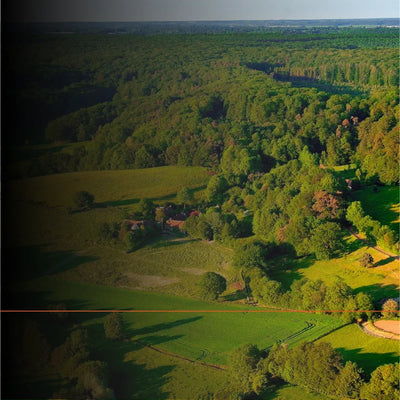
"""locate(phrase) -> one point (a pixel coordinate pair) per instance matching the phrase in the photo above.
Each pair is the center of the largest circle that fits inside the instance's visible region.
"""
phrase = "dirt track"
(371, 330)
(395, 256)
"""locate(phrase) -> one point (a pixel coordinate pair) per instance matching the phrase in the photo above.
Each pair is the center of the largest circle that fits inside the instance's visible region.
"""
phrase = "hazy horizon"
(195, 11)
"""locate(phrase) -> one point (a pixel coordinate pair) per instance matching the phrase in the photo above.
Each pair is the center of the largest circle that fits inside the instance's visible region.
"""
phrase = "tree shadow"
(128, 202)
(384, 261)
(116, 203)
(285, 270)
(306, 82)
(350, 246)
(163, 326)
(379, 291)
(238, 295)
(25, 299)
(170, 243)
(31, 262)
(302, 81)
(368, 361)
(128, 378)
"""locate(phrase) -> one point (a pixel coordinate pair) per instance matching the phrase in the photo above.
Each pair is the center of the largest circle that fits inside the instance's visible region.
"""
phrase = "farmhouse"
(134, 225)
(174, 223)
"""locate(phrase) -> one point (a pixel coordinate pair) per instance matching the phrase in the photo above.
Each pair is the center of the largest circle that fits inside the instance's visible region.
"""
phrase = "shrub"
(390, 308)
(83, 200)
(113, 326)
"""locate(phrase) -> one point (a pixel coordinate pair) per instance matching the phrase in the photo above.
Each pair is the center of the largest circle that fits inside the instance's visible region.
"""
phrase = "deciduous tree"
(212, 285)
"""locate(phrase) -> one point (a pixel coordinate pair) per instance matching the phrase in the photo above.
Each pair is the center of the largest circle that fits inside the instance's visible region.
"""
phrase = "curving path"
(371, 330)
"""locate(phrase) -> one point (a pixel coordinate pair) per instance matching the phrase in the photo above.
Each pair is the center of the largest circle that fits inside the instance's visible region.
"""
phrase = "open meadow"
(381, 280)
(110, 188)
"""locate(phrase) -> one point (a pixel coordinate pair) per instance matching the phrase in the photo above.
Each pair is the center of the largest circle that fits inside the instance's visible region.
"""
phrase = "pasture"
(170, 265)
(44, 238)
(382, 280)
(110, 188)
(367, 351)
(196, 334)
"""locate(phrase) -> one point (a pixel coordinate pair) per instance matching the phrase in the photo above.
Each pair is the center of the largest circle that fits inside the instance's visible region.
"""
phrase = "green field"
(57, 256)
(383, 205)
(138, 372)
(172, 264)
(288, 392)
(380, 281)
(367, 351)
(197, 335)
(110, 188)
(45, 238)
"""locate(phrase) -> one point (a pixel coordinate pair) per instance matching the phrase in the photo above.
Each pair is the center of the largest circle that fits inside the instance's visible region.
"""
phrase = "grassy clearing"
(110, 188)
(55, 242)
(380, 281)
(171, 265)
(46, 239)
(383, 206)
(204, 336)
(343, 172)
(288, 392)
(367, 351)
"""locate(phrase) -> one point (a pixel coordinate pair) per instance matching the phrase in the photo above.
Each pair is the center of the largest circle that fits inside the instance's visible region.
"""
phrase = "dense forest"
(137, 102)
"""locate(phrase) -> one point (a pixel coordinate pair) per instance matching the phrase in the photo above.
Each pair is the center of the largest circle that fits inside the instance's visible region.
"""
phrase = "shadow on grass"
(368, 361)
(128, 378)
(31, 262)
(128, 202)
(238, 295)
(379, 291)
(25, 299)
(350, 246)
(163, 326)
(285, 270)
(384, 261)
(171, 243)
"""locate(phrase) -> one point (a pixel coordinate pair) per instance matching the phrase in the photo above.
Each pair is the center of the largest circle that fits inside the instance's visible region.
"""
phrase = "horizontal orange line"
(189, 311)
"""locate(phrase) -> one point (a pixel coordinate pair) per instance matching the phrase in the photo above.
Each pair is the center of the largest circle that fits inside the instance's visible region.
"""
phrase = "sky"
(196, 10)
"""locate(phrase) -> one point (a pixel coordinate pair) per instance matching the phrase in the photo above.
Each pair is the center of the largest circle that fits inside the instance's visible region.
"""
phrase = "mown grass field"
(208, 337)
(138, 372)
(382, 280)
(110, 188)
(367, 351)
